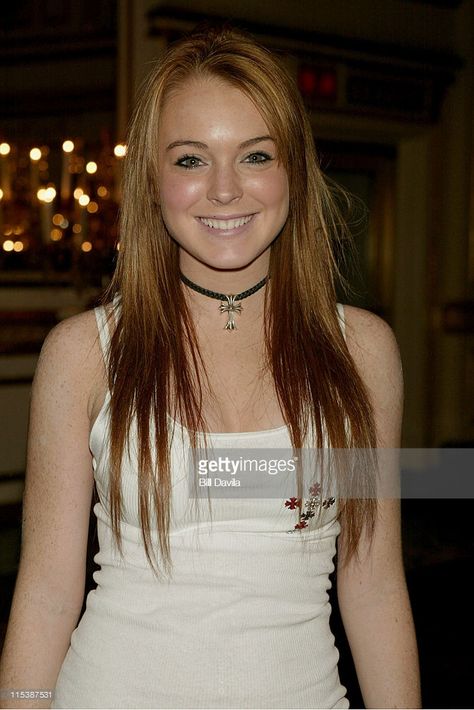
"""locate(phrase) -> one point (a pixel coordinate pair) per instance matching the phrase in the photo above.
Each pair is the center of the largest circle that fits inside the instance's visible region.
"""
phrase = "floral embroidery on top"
(313, 502)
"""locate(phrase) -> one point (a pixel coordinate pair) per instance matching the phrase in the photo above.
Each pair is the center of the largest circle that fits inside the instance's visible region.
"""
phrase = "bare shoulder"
(374, 349)
(368, 333)
(73, 331)
(71, 341)
(72, 358)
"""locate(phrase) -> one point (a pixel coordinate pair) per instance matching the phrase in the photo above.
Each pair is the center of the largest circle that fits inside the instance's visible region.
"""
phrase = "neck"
(204, 304)
(210, 322)
(224, 280)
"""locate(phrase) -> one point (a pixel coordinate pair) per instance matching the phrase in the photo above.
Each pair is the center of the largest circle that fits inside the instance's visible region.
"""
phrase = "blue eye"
(189, 162)
(258, 158)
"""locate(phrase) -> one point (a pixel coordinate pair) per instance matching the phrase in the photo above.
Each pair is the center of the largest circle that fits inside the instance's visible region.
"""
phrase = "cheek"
(273, 190)
(177, 195)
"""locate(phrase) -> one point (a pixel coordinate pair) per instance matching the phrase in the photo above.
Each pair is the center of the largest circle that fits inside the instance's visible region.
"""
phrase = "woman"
(221, 318)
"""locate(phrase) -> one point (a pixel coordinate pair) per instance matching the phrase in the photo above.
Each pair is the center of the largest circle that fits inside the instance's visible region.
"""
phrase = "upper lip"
(227, 216)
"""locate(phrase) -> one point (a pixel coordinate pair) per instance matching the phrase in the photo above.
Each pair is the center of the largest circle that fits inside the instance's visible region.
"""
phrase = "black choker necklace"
(231, 307)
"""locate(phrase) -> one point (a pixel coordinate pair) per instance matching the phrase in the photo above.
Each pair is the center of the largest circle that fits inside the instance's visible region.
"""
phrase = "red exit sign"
(317, 82)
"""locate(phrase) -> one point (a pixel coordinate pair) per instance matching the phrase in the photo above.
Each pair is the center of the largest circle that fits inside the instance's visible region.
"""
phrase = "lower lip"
(226, 232)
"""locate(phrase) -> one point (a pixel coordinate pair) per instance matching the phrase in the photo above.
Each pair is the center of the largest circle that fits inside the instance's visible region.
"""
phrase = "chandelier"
(58, 211)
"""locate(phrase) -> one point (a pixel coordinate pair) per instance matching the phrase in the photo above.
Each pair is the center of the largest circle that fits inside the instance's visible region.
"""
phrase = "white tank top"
(244, 620)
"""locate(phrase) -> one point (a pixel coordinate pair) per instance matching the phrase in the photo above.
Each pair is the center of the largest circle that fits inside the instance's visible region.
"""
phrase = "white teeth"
(226, 223)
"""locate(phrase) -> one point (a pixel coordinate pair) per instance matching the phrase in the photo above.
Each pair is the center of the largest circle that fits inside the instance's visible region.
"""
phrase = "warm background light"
(46, 194)
(35, 154)
(60, 221)
(55, 199)
(120, 150)
(56, 235)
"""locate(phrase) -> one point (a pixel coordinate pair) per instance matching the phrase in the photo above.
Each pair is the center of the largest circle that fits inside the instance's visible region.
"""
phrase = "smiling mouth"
(226, 223)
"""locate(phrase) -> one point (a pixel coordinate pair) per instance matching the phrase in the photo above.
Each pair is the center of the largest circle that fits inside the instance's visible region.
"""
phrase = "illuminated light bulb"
(41, 194)
(120, 150)
(84, 200)
(56, 235)
(86, 246)
(35, 154)
(102, 191)
(1, 194)
(49, 194)
(68, 146)
(92, 207)
(60, 221)
(76, 228)
(18, 246)
(8, 245)
(91, 167)
(78, 192)
(4, 148)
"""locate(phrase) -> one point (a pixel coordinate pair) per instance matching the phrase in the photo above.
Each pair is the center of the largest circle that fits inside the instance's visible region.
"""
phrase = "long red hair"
(154, 349)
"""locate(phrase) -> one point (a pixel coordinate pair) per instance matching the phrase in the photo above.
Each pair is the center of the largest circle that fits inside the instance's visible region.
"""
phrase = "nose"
(224, 186)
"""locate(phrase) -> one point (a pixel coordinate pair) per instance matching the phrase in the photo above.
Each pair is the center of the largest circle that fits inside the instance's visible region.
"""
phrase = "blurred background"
(389, 88)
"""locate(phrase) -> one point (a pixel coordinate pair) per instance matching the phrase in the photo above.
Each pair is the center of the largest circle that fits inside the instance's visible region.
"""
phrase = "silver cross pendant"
(231, 308)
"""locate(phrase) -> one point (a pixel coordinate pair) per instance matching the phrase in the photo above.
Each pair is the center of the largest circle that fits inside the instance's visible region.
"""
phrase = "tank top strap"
(105, 321)
(103, 328)
(342, 318)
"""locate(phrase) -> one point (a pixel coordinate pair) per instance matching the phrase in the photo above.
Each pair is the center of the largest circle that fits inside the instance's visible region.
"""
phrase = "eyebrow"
(203, 146)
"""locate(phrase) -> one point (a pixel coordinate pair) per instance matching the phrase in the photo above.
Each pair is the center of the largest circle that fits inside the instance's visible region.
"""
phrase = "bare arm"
(49, 589)
(372, 592)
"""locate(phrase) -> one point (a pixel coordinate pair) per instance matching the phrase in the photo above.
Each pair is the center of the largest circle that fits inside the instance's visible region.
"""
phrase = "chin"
(226, 264)
(229, 261)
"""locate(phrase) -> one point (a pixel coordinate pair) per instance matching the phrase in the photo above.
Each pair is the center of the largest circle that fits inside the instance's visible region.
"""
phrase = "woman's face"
(223, 193)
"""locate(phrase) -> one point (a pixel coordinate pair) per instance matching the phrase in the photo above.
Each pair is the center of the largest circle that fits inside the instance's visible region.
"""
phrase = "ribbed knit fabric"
(242, 623)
